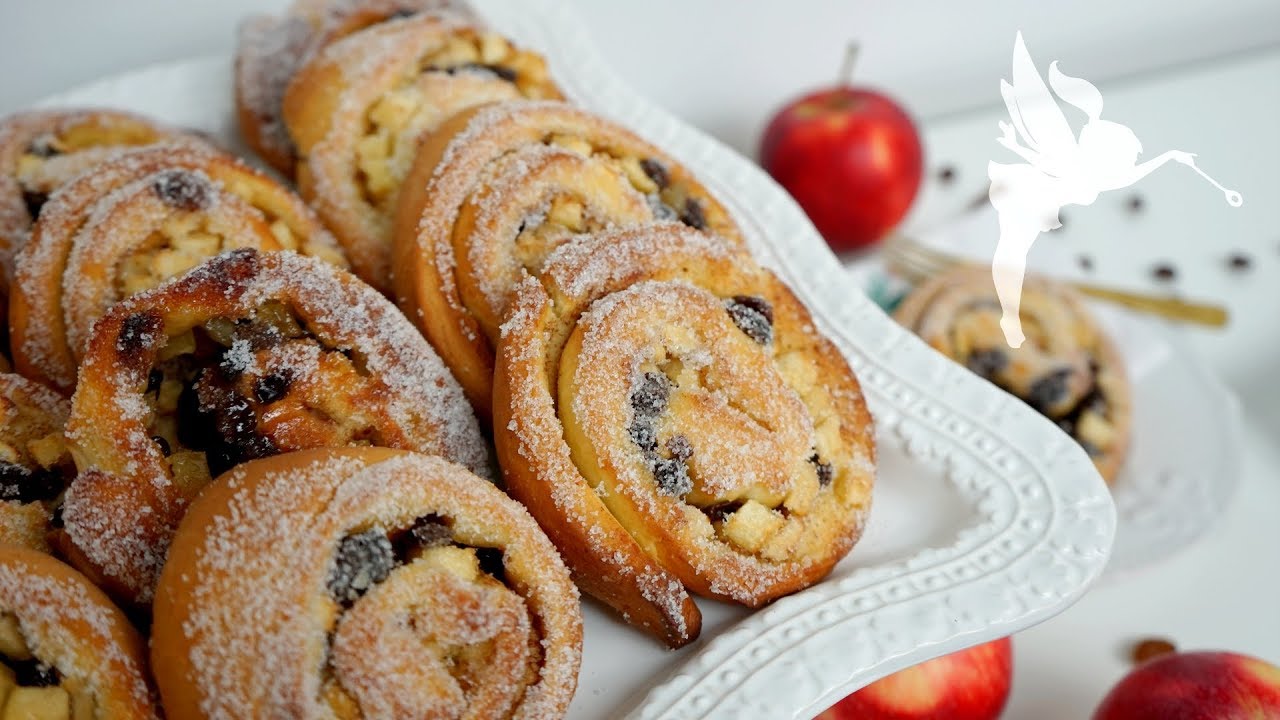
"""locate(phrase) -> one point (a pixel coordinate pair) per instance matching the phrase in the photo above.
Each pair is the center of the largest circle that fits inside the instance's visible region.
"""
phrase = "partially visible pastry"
(35, 465)
(1068, 369)
(496, 189)
(41, 150)
(357, 110)
(667, 411)
(363, 583)
(66, 653)
(271, 49)
(135, 221)
(249, 355)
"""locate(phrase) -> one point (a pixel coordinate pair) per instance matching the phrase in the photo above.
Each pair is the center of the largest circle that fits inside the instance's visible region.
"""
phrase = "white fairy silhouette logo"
(1060, 169)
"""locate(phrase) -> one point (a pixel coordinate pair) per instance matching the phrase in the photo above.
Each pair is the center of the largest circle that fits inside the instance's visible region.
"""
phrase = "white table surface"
(1218, 95)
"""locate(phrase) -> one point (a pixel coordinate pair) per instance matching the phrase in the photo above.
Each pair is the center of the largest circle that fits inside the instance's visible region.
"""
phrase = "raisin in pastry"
(496, 189)
(357, 109)
(66, 653)
(35, 465)
(249, 355)
(667, 411)
(136, 221)
(363, 583)
(271, 49)
(1067, 369)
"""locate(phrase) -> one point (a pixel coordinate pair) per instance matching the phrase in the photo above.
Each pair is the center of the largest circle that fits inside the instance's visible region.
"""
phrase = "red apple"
(851, 157)
(1196, 686)
(972, 684)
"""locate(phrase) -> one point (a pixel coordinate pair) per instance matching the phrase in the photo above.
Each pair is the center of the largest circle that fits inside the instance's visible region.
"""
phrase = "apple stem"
(846, 68)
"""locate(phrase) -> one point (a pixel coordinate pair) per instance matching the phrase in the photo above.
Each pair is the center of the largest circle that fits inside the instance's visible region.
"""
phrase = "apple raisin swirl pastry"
(1067, 369)
(134, 222)
(66, 653)
(363, 582)
(271, 49)
(35, 465)
(247, 356)
(41, 150)
(358, 108)
(495, 190)
(666, 410)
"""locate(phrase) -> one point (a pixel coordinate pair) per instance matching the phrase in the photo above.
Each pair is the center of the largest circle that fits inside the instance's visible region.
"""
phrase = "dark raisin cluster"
(26, 485)
(648, 401)
(753, 315)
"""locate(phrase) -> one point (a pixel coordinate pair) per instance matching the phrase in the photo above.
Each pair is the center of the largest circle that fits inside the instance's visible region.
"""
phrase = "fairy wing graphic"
(1036, 115)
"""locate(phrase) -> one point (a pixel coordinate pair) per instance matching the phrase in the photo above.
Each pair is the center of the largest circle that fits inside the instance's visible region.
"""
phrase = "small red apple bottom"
(1196, 686)
(971, 684)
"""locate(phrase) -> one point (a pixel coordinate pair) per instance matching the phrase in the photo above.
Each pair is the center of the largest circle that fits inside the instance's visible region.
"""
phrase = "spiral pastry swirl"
(1068, 369)
(66, 653)
(667, 411)
(41, 150)
(271, 49)
(495, 190)
(363, 583)
(134, 222)
(357, 110)
(249, 355)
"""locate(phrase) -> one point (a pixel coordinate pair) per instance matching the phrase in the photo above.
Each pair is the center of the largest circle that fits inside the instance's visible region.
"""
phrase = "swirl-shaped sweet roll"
(35, 465)
(358, 108)
(271, 49)
(495, 190)
(41, 150)
(66, 653)
(1067, 369)
(363, 583)
(666, 410)
(134, 222)
(247, 356)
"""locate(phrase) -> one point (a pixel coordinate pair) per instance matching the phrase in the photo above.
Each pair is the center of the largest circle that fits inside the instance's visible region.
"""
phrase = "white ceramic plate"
(987, 519)
(1183, 464)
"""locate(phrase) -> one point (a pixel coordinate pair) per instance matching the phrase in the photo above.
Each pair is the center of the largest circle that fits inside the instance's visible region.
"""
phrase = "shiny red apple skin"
(851, 157)
(1196, 686)
(972, 684)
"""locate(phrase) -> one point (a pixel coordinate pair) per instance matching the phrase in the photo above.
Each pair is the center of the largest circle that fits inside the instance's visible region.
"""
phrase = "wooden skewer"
(915, 262)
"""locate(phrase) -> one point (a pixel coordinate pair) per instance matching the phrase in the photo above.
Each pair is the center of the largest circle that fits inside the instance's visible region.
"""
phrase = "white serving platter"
(987, 519)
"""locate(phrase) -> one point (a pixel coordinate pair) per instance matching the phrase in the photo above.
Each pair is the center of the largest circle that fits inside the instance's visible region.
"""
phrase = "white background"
(1198, 75)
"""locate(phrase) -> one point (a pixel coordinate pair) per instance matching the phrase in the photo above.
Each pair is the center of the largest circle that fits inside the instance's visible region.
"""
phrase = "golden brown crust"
(136, 221)
(35, 466)
(1068, 368)
(270, 50)
(494, 190)
(667, 436)
(57, 616)
(248, 355)
(357, 109)
(419, 621)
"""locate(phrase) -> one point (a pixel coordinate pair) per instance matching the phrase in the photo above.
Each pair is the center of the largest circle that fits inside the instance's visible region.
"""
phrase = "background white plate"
(987, 518)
